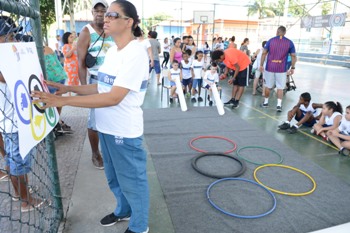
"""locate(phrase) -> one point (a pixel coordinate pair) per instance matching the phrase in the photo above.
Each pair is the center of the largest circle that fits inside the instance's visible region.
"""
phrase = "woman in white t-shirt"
(330, 118)
(166, 52)
(340, 137)
(117, 97)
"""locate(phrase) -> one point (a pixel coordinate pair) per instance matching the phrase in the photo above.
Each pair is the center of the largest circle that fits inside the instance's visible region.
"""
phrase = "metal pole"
(213, 34)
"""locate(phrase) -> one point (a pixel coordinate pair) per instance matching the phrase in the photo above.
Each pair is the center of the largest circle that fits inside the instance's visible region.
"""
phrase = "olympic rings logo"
(29, 113)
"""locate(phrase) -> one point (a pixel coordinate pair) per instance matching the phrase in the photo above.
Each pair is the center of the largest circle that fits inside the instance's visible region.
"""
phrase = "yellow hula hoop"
(281, 192)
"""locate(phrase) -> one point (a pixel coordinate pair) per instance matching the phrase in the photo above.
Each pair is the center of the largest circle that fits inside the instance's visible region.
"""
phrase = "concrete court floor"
(323, 82)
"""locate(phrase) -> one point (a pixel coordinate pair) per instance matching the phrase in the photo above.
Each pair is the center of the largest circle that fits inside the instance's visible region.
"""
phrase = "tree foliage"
(326, 8)
(261, 8)
(48, 17)
(156, 18)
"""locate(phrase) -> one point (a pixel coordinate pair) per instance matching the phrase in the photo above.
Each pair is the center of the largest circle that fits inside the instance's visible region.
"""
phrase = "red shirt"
(234, 56)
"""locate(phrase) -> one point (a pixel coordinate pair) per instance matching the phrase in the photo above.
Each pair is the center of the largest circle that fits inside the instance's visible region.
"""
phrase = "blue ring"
(20, 82)
(236, 215)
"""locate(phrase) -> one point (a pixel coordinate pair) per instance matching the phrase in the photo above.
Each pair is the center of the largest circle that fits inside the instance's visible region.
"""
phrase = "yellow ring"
(36, 137)
(281, 192)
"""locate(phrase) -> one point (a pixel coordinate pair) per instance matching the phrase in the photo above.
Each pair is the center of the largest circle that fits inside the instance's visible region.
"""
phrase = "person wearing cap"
(16, 166)
(93, 40)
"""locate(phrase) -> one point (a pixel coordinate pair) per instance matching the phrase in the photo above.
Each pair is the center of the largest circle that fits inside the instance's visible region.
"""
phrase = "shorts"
(18, 165)
(307, 124)
(186, 82)
(172, 83)
(242, 78)
(258, 73)
(196, 83)
(156, 67)
(271, 79)
(91, 118)
(52, 90)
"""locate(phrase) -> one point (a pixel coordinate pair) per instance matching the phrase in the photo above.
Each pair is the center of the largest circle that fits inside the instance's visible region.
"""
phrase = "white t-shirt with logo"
(127, 68)
(197, 67)
(8, 117)
(186, 69)
(210, 78)
(344, 126)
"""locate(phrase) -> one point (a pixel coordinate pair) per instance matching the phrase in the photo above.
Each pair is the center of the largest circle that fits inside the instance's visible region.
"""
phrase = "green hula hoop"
(259, 147)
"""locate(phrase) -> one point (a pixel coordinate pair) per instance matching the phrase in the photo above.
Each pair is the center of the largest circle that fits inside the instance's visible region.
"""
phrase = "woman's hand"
(62, 89)
(49, 100)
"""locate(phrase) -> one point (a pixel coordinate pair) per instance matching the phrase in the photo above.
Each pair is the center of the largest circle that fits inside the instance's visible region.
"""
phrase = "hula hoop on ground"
(258, 147)
(238, 173)
(281, 192)
(219, 137)
(237, 215)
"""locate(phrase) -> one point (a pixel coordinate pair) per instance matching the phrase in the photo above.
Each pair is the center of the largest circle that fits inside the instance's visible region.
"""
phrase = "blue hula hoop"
(237, 215)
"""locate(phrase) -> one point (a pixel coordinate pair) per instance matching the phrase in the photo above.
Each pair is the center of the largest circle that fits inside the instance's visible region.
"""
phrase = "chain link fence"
(29, 188)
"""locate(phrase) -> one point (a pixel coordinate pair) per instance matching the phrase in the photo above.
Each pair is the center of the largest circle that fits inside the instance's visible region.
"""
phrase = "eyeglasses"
(115, 15)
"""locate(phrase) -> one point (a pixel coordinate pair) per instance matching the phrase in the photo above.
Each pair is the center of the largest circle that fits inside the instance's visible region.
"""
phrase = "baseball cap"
(6, 27)
(103, 2)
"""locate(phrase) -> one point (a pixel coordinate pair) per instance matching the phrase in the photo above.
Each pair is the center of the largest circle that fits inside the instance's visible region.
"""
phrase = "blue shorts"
(156, 67)
(186, 82)
(196, 83)
(18, 166)
(172, 83)
(52, 90)
(307, 124)
(91, 118)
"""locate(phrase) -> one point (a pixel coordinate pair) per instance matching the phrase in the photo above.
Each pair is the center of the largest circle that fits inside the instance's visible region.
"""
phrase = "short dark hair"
(176, 39)
(188, 51)
(184, 37)
(306, 96)
(196, 54)
(175, 61)
(153, 34)
(65, 37)
(282, 29)
(214, 64)
(233, 38)
(215, 55)
(263, 43)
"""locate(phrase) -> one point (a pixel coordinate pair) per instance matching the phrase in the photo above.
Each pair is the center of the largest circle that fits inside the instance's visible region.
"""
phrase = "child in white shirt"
(211, 77)
(175, 73)
(197, 68)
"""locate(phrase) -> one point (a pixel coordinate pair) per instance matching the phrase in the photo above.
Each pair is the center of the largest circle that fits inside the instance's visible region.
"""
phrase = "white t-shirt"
(145, 43)
(344, 126)
(166, 47)
(330, 120)
(175, 74)
(308, 109)
(127, 68)
(8, 117)
(186, 69)
(210, 78)
(197, 67)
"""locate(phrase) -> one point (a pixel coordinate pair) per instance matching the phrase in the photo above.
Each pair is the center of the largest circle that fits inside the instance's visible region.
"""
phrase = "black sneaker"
(344, 152)
(235, 104)
(210, 103)
(284, 126)
(231, 101)
(200, 99)
(208, 97)
(130, 231)
(292, 130)
(111, 219)
(279, 108)
(265, 105)
(193, 100)
(171, 100)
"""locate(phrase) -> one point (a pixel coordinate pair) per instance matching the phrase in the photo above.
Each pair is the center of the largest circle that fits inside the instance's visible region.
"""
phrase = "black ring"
(236, 174)
(31, 78)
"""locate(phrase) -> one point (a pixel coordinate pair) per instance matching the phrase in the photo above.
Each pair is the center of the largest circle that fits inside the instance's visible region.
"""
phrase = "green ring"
(259, 147)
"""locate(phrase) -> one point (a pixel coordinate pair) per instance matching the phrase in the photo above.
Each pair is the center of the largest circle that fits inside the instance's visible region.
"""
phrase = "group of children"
(330, 124)
(190, 71)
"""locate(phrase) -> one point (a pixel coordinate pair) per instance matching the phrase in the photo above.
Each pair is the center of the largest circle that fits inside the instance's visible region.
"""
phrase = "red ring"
(223, 138)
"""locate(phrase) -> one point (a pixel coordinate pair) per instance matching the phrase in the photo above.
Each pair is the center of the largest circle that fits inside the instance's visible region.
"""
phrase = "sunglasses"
(115, 15)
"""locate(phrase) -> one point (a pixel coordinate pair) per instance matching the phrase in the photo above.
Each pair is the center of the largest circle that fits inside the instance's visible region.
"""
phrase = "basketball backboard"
(203, 17)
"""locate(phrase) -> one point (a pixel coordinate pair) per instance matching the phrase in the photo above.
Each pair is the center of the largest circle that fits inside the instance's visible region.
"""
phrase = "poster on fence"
(19, 64)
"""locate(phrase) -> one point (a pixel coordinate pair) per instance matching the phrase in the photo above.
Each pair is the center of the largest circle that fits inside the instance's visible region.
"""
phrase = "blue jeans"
(18, 165)
(124, 161)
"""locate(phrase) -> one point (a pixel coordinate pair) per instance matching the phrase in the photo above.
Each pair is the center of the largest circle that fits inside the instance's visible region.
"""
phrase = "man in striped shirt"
(277, 50)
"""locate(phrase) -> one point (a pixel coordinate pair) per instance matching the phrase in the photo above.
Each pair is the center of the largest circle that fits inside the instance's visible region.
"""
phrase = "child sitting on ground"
(211, 77)
(340, 136)
(175, 73)
(304, 113)
(330, 118)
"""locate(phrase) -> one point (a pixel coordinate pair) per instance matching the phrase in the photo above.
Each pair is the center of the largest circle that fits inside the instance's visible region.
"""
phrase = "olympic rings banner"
(19, 64)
